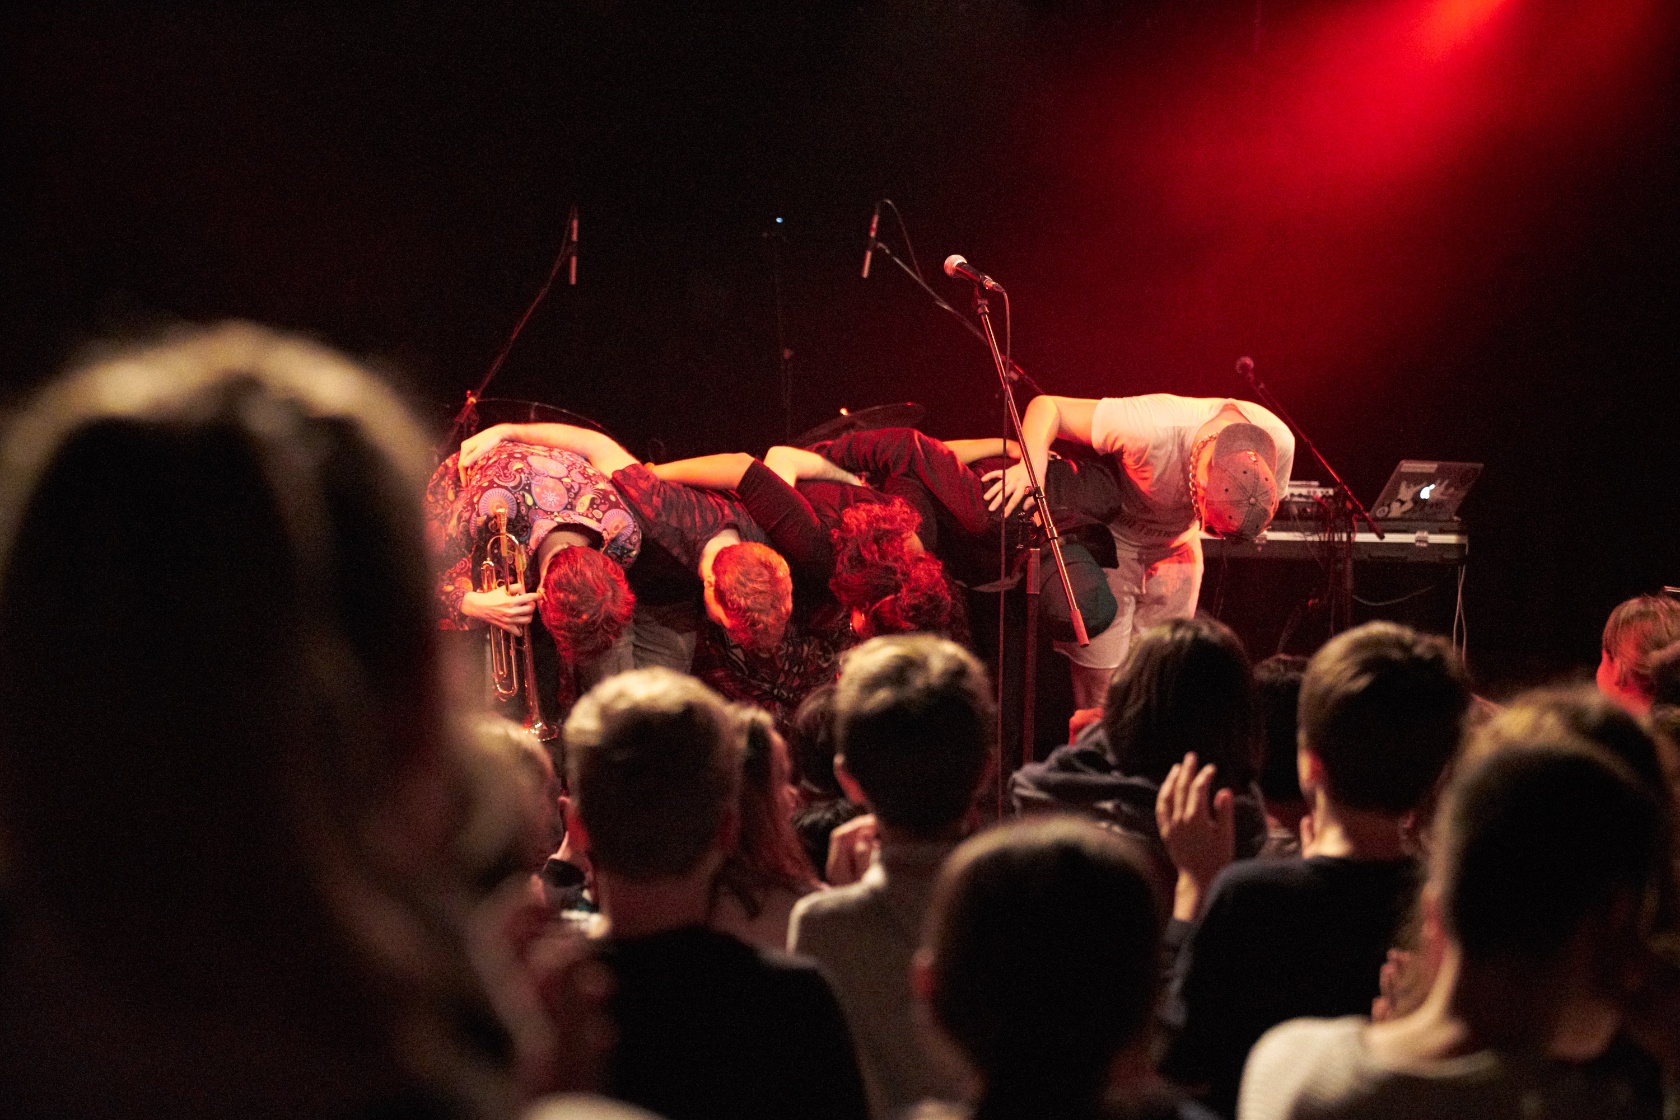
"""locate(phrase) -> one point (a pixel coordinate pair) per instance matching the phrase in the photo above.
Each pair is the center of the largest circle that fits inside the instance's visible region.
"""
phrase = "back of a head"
(217, 683)
(1535, 840)
(1185, 686)
(586, 603)
(249, 648)
(767, 851)
(875, 573)
(755, 588)
(1277, 696)
(654, 759)
(1383, 708)
(1634, 633)
(811, 740)
(1665, 675)
(1560, 714)
(1043, 941)
(914, 720)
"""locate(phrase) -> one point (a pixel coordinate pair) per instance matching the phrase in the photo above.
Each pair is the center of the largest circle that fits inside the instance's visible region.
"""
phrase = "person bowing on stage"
(1179, 465)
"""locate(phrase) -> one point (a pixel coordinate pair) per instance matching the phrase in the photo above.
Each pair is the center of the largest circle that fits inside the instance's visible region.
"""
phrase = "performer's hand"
(1007, 489)
(1198, 830)
(499, 608)
(474, 448)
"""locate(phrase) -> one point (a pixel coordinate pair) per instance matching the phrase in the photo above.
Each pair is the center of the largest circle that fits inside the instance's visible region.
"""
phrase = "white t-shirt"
(1151, 437)
(1319, 1069)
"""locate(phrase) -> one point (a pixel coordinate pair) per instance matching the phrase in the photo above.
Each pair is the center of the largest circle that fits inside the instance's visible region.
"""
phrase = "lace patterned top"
(542, 489)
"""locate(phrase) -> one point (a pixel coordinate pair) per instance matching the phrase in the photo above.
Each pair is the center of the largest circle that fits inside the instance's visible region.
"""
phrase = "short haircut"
(655, 761)
(1636, 630)
(586, 603)
(755, 589)
(811, 742)
(1558, 714)
(1185, 686)
(816, 823)
(1277, 696)
(1665, 675)
(914, 719)
(1382, 706)
(1536, 839)
(1043, 936)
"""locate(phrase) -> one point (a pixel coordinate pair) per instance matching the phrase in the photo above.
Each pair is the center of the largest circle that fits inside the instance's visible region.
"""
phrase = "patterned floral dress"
(542, 489)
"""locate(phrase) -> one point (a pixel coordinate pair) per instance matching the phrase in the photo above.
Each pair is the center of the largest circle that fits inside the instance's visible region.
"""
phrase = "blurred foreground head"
(224, 790)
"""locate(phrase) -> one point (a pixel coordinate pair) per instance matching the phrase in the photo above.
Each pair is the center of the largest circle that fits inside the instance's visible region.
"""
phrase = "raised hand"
(851, 849)
(1198, 828)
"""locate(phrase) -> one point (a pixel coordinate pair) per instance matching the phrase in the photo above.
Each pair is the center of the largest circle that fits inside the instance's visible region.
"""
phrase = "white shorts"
(1150, 586)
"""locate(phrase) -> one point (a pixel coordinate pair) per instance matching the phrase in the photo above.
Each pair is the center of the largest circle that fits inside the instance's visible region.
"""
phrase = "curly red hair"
(875, 572)
(755, 589)
(585, 603)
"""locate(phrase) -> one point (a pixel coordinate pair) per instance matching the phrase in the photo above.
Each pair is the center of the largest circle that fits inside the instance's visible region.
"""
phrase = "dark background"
(1443, 228)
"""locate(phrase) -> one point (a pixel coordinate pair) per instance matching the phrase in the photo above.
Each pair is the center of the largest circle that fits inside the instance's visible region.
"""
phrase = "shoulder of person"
(825, 916)
(1251, 880)
(1296, 1054)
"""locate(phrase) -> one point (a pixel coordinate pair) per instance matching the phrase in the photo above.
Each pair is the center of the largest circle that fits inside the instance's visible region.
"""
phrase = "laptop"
(1421, 490)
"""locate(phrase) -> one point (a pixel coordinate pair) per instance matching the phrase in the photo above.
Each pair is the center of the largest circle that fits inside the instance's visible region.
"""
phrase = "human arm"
(709, 472)
(907, 464)
(602, 451)
(851, 849)
(969, 450)
(790, 523)
(1047, 419)
(794, 465)
(1198, 829)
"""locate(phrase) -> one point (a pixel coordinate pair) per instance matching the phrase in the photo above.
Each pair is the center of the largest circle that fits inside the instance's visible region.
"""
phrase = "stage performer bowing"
(1181, 464)
(700, 551)
(578, 535)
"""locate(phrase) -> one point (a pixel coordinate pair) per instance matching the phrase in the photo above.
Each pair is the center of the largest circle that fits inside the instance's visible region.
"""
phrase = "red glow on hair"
(586, 603)
(755, 589)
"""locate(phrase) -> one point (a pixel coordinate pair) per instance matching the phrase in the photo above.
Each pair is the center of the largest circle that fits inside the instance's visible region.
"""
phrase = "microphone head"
(1245, 365)
(954, 262)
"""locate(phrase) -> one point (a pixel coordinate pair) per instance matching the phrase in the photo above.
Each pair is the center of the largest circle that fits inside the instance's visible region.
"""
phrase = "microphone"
(571, 236)
(869, 250)
(957, 265)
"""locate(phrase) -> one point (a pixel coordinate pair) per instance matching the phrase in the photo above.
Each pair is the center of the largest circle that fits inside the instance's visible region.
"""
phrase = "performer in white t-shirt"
(1185, 464)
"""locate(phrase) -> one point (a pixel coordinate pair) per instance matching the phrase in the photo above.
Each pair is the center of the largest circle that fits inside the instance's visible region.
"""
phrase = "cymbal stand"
(467, 418)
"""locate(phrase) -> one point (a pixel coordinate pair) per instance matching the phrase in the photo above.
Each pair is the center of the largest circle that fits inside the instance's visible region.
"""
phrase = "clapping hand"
(1198, 828)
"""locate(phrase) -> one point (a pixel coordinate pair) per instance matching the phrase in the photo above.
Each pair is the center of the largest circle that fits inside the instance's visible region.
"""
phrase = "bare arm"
(1047, 419)
(709, 472)
(968, 450)
(795, 464)
(602, 451)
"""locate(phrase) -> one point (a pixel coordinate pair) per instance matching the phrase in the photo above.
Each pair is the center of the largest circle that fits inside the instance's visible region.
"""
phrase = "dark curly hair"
(876, 573)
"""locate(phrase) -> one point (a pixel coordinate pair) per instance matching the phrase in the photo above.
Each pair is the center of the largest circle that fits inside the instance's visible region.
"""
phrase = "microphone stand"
(1344, 512)
(1014, 373)
(467, 418)
(982, 308)
(1009, 373)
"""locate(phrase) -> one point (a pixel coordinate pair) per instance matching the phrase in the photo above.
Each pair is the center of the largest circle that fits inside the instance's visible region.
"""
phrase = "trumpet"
(513, 669)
